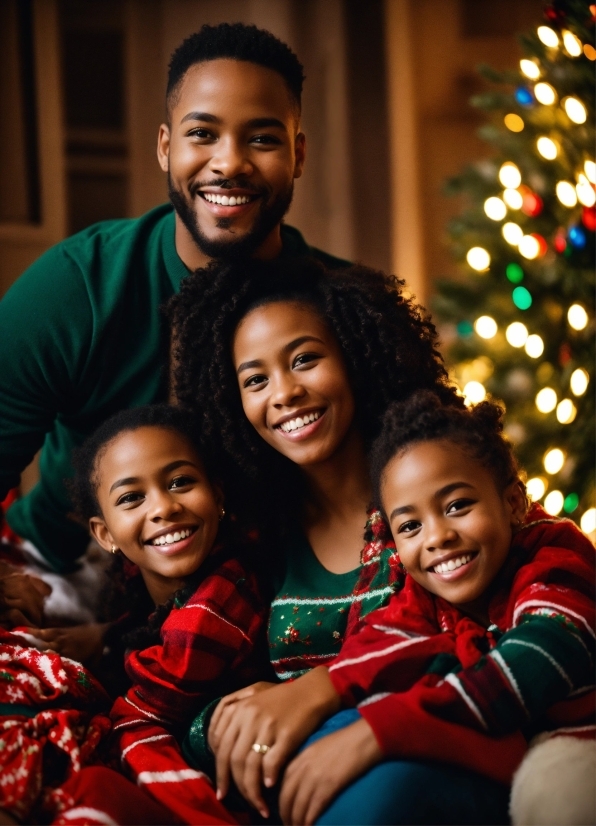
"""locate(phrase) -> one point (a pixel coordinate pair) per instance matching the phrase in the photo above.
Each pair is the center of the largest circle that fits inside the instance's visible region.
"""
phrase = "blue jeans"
(413, 792)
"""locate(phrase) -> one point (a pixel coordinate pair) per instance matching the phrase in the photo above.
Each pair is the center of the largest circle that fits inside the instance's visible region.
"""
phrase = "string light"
(585, 191)
(513, 198)
(547, 148)
(579, 381)
(474, 392)
(530, 69)
(534, 346)
(512, 233)
(536, 488)
(522, 298)
(571, 502)
(572, 44)
(566, 411)
(553, 502)
(509, 175)
(546, 400)
(576, 111)
(548, 36)
(566, 194)
(577, 317)
(588, 521)
(486, 327)
(554, 460)
(514, 273)
(513, 122)
(545, 93)
(589, 51)
(590, 170)
(495, 208)
(478, 258)
(516, 334)
(529, 247)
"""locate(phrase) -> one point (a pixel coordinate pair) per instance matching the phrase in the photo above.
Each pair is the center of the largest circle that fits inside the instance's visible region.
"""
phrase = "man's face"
(231, 151)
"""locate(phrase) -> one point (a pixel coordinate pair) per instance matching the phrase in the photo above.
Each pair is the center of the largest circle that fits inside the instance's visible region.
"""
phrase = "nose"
(230, 159)
(163, 505)
(286, 390)
(440, 533)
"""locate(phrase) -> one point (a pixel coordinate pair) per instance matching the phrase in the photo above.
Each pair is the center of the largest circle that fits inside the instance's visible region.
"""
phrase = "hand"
(281, 718)
(22, 599)
(321, 771)
(83, 643)
(230, 699)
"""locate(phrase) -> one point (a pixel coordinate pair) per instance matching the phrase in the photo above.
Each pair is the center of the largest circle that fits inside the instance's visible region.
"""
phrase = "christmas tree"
(519, 323)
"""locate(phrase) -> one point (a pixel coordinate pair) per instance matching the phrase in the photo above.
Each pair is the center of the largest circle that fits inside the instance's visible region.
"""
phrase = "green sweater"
(82, 337)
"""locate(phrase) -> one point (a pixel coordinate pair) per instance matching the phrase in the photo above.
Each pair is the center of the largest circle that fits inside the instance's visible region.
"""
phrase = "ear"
(163, 147)
(99, 531)
(517, 502)
(299, 153)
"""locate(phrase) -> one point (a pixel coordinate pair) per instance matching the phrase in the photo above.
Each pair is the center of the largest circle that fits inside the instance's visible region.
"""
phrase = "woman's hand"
(83, 643)
(280, 719)
(321, 771)
(22, 598)
(230, 699)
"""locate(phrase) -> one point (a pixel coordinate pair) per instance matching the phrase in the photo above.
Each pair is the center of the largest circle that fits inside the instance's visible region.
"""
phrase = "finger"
(222, 761)
(274, 761)
(248, 774)
(288, 793)
(220, 709)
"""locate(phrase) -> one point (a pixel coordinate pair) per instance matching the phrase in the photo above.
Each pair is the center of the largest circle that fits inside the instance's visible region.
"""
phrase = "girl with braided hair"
(289, 368)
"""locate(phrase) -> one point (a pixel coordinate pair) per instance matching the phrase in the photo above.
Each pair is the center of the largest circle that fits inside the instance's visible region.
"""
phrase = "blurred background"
(386, 115)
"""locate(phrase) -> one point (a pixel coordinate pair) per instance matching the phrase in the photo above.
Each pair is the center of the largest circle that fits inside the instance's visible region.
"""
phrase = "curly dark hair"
(238, 42)
(389, 347)
(424, 417)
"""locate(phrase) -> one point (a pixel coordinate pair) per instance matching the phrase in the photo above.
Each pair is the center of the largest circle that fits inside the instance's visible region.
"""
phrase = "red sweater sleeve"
(205, 643)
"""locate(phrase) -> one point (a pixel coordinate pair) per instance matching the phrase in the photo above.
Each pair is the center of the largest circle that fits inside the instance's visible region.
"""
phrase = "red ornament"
(560, 242)
(541, 243)
(589, 217)
(554, 15)
(564, 354)
(532, 203)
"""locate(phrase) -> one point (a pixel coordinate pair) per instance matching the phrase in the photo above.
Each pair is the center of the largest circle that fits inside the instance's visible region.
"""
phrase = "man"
(82, 335)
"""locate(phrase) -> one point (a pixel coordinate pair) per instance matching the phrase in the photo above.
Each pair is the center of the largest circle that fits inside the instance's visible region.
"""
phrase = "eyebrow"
(133, 480)
(438, 495)
(287, 348)
(255, 123)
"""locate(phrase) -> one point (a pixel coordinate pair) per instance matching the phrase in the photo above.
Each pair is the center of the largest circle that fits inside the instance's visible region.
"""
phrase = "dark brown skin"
(21, 597)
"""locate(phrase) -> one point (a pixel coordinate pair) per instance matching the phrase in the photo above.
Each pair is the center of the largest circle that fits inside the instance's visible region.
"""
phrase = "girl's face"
(293, 381)
(452, 526)
(158, 506)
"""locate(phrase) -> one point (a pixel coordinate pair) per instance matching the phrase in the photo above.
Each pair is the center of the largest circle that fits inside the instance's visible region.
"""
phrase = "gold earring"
(114, 549)
(222, 513)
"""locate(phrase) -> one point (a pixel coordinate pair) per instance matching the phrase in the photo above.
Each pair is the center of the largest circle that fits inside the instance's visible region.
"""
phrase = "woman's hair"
(389, 348)
(86, 458)
(478, 430)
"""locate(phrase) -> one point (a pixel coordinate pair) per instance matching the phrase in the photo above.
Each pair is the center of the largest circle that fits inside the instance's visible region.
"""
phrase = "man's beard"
(268, 217)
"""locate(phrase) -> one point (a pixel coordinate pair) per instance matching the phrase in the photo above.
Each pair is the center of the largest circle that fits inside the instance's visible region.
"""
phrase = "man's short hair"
(236, 42)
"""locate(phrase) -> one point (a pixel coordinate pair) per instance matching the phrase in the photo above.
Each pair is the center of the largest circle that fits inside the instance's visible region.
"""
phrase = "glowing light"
(554, 460)
(516, 334)
(536, 488)
(474, 392)
(546, 400)
(590, 170)
(566, 411)
(512, 233)
(554, 502)
(571, 502)
(589, 51)
(478, 258)
(529, 247)
(534, 346)
(495, 208)
(577, 317)
(530, 69)
(513, 122)
(572, 44)
(485, 326)
(547, 148)
(545, 93)
(513, 198)
(566, 194)
(521, 298)
(576, 111)
(509, 175)
(585, 191)
(514, 273)
(579, 381)
(588, 521)
(548, 36)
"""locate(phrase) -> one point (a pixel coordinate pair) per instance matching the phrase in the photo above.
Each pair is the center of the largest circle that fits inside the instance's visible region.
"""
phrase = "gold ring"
(259, 748)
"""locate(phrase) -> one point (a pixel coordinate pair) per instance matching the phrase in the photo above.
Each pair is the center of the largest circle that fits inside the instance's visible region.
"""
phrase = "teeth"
(294, 424)
(224, 200)
(452, 564)
(169, 538)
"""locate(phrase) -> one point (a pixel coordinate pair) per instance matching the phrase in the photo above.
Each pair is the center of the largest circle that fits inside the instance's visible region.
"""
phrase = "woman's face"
(293, 381)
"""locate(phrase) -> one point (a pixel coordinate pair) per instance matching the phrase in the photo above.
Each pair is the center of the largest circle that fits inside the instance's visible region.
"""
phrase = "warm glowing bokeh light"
(553, 502)
(579, 381)
(514, 122)
(576, 111)
(478, 258)
(566, 194)
(590, 170)
(534, 346)
(529, 68)
(577, 317)
(485, 326)
(566, 411)
(572, 44)
(516, 334)
(474, 392)
(495, 208)
(588, 521)
(547, 148)
(529, 247)
(509, 175)
(545, 93)
(546, 400)
(536, 488)
(554, 460)
(548, 36)
(513, 198)
(585, 191)
(512, 233)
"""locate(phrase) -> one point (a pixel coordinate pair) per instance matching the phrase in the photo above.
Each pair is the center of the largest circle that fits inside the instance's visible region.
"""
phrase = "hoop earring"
(222, 513)
(114, 549)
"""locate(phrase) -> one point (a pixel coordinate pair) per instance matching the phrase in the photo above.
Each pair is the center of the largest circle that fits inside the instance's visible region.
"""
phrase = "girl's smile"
(158, 506)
